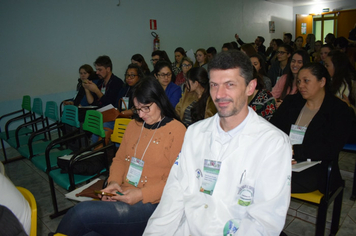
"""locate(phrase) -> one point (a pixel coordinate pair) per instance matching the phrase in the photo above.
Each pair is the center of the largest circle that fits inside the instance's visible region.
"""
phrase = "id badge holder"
(296, 134)
(135, 171)
(103, 90)
(211, 173)
(124, 103)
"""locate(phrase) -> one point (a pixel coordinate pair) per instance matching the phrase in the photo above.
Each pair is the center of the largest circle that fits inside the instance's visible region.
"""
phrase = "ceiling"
(298, 3)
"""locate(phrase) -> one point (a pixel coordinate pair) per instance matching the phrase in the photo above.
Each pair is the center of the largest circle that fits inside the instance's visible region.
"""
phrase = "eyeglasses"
(186, 65)
(281, 52)
(154, 60)
(144, 109)
(165, 75)
(132, 76)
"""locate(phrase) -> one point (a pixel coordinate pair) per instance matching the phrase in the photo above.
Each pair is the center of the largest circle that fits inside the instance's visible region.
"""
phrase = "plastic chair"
(119, 129)
(352, 148)
(70, 118)
(39, 140)
(323, 201)
(94, 124)
(33, 205)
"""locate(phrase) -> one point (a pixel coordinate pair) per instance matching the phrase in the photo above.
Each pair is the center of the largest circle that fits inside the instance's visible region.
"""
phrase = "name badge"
(103, 89)
(211, 174)
(135, 171)
(296, 134)
(124, 103)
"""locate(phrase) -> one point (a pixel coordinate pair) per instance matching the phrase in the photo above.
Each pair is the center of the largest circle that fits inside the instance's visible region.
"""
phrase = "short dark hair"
(148, 90)
(289, 35)
(262, 39)
(162, 55)
(229, 46)
(342, 42)
(211, 50)
(161, 64)
(233, 59)
(103, 61)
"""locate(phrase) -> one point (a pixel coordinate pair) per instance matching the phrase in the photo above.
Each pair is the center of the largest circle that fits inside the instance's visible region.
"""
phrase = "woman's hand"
(90, 86)
(111, 188)
(130, 196)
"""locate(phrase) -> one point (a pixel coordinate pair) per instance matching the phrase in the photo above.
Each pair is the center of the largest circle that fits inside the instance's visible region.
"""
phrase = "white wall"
(43, 43)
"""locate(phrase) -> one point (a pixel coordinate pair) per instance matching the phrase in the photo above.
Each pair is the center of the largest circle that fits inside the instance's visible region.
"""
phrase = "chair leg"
(335, 221)
(321, 218)
(353, 194)
(3, 150)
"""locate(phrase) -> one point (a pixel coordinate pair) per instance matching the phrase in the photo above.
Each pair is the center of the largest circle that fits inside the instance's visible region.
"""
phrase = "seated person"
(201, 58)
(105, 91)
(287, 84)
(133, 74)
(179, 54)
(140, 60)
(233, 172)
(164, 75)
(86, 73)
(262, 101)
(186, 65)
(259, 64)
(279, 67)
(12, 200)
(196, 103)
(139, 170)
(318, 124)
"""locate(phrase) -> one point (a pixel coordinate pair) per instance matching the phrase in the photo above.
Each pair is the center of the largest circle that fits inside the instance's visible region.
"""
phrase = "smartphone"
(106, 194)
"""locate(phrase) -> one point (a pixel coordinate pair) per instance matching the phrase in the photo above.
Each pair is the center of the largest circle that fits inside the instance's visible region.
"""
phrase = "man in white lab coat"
(232, 176)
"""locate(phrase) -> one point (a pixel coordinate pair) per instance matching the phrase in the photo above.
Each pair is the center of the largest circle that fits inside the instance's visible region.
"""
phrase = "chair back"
(94, 123)
(37, 106)
(33, 205)
(26, 102)
(119, 129)
(51, 110)
(70, 116)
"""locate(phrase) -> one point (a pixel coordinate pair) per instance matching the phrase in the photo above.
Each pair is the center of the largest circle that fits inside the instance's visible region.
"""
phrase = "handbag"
(113, 113)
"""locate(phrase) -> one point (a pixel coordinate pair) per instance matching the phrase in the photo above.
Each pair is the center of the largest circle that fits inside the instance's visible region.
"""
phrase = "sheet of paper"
(107, 107)
(304, 165)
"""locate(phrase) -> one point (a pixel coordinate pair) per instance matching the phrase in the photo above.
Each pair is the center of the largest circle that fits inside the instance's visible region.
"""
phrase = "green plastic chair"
(36, 145)
(94, 124)
(69, 117)
(23, 114)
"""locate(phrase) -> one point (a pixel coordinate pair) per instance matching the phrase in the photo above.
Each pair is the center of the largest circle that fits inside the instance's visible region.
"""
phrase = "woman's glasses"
(165, 75)
(281, 52)
(186, 65)
(144, 109)
(131, 76)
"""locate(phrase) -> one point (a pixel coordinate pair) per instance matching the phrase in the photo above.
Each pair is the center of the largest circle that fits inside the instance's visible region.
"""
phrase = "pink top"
(278, 88)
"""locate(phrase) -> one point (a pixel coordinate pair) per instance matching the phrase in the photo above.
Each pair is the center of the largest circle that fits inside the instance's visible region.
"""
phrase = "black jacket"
(325, 136)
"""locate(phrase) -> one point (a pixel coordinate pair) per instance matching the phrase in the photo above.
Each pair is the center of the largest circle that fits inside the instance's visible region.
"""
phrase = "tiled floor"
(299, 221)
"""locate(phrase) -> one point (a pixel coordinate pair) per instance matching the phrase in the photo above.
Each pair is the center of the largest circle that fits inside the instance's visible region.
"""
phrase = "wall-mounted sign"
(304, 28)
(326, 9)
(272, 28)
(153, 24)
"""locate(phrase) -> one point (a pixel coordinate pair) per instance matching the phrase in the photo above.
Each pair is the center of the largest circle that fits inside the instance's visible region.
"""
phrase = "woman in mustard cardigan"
(196, 103)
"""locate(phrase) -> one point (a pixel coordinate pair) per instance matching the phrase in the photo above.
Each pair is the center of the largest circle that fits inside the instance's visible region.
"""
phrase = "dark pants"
(106, 218)
(9, 224)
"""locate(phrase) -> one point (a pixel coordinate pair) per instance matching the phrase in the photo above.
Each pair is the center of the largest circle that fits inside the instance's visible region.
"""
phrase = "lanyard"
(150, 139)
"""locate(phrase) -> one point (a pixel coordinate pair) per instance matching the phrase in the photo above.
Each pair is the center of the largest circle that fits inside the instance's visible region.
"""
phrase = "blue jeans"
(106, 218)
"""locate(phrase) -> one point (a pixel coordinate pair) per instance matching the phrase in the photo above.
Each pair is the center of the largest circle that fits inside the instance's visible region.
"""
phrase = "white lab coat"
(261, 150)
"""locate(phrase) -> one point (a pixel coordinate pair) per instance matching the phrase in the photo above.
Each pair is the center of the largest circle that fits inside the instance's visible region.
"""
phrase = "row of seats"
(33, 139)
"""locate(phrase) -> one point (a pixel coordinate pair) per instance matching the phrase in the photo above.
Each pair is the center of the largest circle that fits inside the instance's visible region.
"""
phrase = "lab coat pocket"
(244, 197)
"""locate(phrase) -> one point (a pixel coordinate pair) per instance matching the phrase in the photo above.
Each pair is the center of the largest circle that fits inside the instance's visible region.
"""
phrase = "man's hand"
(91, 86)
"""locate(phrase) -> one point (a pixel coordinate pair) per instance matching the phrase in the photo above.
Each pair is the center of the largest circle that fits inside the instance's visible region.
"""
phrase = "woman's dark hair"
(288, 48)
(330, 46)
(161, 64)
(141, 59)
(249, 49)
(90, 71)
(262, 70)
(200, 75)
(138, 70)
(181, 51)
(319, 71)
(260, 83)
(290, 78)
(148, 90)
(344, 73)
